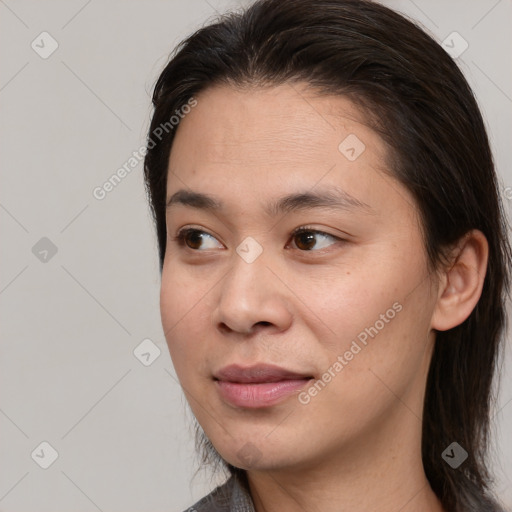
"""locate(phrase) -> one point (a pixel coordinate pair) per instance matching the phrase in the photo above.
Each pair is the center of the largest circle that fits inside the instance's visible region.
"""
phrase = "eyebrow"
(332, 198)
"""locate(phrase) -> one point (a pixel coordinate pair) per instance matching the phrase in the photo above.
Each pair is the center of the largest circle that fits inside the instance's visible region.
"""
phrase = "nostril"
(224, 328)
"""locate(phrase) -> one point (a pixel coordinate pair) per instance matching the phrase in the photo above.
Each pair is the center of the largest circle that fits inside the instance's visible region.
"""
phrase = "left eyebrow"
(332, 198)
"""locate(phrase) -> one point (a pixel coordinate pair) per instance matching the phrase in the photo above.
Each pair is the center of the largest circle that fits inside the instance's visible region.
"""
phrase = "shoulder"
(228, 497)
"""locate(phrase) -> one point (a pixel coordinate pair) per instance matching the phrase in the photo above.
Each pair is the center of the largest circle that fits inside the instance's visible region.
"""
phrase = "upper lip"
(257, 373)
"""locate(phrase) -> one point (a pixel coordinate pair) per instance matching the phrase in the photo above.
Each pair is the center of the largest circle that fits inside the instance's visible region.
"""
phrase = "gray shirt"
(232, 496)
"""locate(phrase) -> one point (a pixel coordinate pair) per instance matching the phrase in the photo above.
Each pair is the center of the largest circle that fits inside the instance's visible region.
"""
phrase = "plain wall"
(71, 320)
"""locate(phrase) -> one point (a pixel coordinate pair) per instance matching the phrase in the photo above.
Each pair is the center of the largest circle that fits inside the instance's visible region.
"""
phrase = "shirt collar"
(241, 500)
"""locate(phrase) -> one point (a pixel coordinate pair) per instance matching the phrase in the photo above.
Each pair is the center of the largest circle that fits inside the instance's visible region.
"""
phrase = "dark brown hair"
(417, 99)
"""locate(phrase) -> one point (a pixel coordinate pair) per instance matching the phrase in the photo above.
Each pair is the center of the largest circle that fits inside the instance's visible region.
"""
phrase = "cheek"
(182, 310)
(378, 313)
(384, 354)
(347, 302)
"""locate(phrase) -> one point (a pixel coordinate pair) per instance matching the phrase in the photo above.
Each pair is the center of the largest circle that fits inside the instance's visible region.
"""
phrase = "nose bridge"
(243, 283)
(248, 294)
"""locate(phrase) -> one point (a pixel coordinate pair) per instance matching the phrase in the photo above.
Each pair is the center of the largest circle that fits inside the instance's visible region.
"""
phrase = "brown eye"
(306, 238)
(192, 238)
(305, 241)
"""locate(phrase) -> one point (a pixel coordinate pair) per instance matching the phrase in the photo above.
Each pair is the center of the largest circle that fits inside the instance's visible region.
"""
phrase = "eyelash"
(182, 234)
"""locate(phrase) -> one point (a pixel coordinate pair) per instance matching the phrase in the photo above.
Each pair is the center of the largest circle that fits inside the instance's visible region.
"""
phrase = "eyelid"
(307, 228)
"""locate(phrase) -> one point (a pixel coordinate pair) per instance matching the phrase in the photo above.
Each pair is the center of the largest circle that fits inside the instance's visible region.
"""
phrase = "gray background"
(70, 323)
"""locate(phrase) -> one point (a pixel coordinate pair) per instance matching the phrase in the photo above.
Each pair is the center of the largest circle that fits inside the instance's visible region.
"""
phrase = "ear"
(460, 286)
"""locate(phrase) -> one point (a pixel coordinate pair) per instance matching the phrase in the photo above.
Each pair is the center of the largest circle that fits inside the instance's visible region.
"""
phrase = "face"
(293, 347)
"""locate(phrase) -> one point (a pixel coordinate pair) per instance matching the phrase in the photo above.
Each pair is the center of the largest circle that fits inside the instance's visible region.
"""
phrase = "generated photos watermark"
(101, 191)
(343, 360)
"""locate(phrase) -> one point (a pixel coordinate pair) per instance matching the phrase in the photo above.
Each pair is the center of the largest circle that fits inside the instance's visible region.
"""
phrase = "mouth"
(259, 385)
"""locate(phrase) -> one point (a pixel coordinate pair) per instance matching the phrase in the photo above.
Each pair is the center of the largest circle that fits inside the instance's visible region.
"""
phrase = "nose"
(252, 297)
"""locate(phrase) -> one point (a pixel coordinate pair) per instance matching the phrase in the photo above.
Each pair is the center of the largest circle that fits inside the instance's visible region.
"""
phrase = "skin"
(356, 445)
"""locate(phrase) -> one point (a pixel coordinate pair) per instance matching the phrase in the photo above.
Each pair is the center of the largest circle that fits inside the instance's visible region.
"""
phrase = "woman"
(334, 259)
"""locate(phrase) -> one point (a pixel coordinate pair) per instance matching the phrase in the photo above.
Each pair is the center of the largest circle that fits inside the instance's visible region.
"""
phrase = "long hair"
(414, 95)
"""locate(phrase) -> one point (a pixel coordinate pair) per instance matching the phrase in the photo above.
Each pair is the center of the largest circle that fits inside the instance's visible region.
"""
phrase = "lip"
(260, 385)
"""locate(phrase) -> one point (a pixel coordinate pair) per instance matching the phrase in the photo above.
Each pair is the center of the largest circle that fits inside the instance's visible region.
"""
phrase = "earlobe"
(461, 284)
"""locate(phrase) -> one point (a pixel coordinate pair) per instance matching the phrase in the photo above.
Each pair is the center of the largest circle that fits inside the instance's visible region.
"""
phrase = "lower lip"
(258, 394)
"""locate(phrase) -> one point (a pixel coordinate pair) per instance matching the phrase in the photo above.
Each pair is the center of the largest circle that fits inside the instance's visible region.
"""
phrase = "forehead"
(268, 126)
(244, 145)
